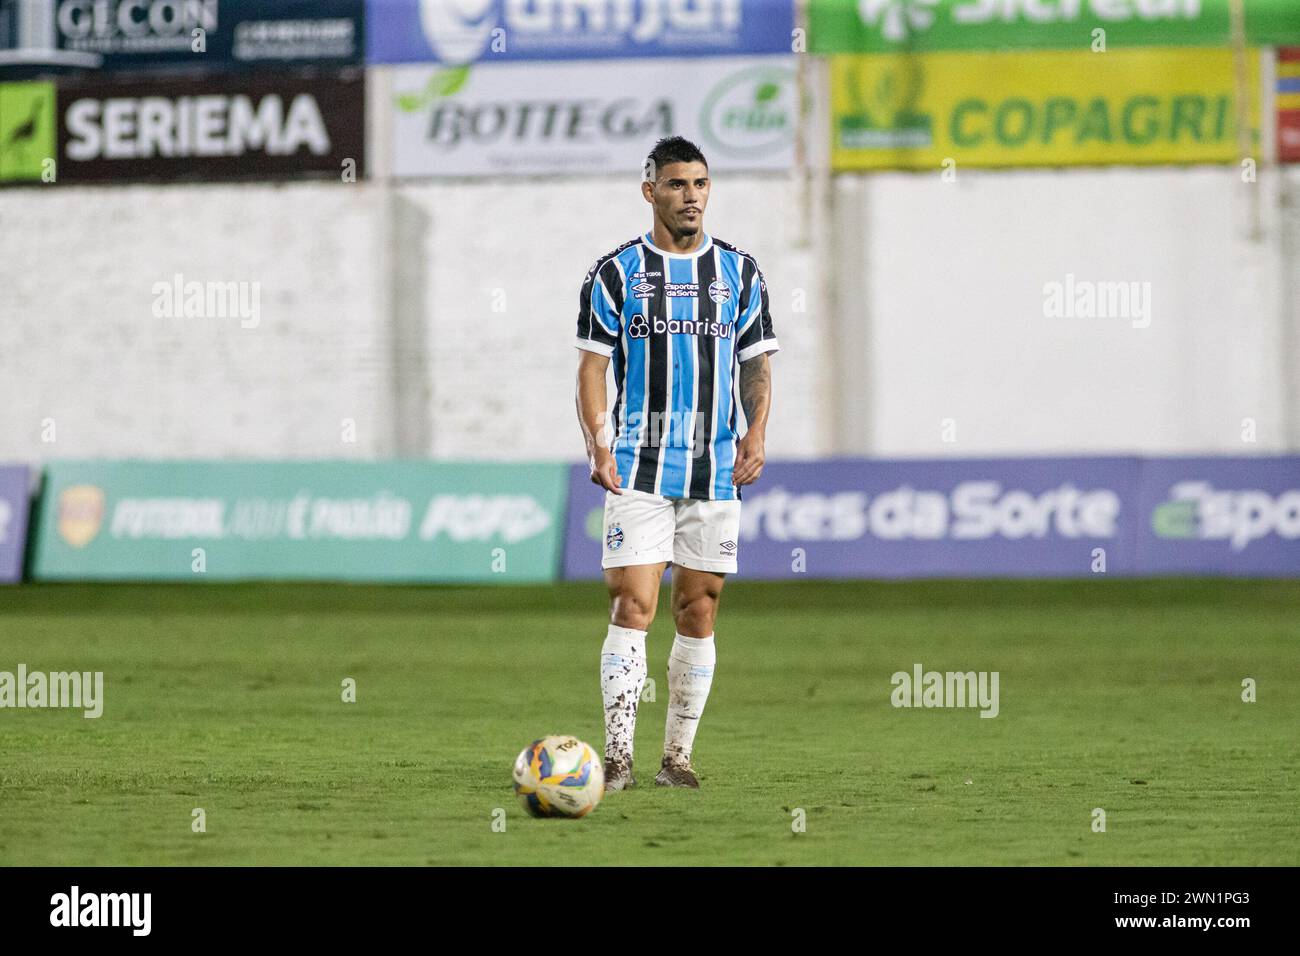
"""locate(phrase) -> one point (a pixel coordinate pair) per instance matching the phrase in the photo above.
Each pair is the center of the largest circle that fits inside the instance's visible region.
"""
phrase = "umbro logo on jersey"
(644, 289)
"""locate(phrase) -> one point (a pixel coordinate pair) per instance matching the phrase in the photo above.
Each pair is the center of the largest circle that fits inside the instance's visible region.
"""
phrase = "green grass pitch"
(1122, 695)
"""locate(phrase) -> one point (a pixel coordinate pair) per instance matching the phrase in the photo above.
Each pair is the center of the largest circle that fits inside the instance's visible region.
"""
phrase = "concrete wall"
(952, 278)
(82, 347)
(438, 317)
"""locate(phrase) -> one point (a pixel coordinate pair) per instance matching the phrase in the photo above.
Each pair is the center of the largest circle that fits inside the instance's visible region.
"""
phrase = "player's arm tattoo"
(756, 390)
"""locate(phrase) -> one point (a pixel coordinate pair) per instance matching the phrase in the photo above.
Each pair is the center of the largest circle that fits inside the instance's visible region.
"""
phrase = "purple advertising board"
(504, 31)
(15, 493)
(859, 518)
(1234, 516)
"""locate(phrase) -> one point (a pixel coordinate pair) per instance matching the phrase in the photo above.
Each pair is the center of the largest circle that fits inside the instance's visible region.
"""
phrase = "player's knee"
(694, 615)
(631, 610)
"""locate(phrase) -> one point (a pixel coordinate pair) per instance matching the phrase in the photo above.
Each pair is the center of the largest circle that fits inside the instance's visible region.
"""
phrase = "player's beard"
(689, 230)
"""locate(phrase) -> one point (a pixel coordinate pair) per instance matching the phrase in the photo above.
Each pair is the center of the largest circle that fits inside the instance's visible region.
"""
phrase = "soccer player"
(684, 318)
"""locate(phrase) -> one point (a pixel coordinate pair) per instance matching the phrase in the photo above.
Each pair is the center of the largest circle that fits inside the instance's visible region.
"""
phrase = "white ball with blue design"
(559, 776)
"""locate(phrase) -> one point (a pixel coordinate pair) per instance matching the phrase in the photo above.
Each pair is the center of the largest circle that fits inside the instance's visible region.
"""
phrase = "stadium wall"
(454, 304)
(86, 362)
(953, 279)
(408, 320)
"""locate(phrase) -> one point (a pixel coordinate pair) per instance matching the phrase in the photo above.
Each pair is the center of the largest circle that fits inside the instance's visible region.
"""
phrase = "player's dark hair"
(672, 149)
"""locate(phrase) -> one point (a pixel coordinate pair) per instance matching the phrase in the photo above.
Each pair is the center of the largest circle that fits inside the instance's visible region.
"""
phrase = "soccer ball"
(559, 777)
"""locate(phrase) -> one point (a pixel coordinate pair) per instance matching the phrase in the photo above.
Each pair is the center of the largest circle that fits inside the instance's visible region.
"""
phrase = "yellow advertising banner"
(1049, 108)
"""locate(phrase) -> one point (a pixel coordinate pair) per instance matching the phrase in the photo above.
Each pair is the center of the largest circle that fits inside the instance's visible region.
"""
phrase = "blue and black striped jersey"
(676, 328)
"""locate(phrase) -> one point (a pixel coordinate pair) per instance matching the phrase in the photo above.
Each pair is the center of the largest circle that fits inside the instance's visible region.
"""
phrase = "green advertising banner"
(27, 135)
(346, 521)
(1038, 108)
(882, 26)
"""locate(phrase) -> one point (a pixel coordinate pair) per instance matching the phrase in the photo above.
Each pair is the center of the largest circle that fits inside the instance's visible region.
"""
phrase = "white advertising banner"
(498, 119)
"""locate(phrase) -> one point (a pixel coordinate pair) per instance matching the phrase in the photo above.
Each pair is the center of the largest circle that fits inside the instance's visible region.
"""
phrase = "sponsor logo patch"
(81, 513)
(692, 327)
(644, 288)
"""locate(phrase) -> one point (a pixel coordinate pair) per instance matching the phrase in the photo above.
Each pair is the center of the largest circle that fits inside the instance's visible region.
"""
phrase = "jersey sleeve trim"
(758, 348)
(756, 335)
(591, 345)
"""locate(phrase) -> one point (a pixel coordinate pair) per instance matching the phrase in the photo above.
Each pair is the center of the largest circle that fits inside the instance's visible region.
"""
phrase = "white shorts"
(641, 528)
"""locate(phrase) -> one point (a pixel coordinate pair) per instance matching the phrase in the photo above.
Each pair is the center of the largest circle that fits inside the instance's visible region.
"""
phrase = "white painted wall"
(79, 343)
(377, 304)
(952, 281)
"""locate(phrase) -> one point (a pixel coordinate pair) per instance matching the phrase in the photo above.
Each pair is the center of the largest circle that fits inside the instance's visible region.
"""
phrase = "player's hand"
(604, 471)
(750, 456)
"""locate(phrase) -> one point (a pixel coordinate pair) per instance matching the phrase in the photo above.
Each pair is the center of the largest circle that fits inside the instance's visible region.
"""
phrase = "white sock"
(622, 677)
(690, 675)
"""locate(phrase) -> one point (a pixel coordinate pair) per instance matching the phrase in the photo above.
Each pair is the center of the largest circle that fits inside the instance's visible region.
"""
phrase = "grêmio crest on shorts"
(676, 328)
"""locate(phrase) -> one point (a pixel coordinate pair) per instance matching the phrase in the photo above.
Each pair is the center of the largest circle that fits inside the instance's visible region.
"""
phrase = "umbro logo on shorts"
(728, 546)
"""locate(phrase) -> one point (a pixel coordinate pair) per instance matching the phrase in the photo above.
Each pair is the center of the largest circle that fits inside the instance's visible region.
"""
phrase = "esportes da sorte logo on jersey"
(643, 288)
